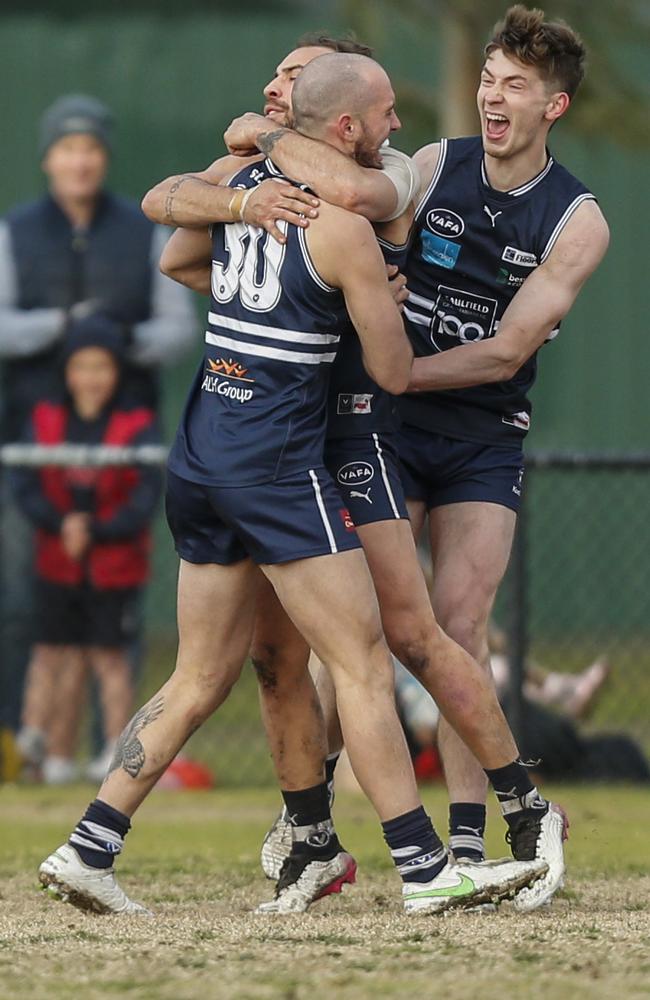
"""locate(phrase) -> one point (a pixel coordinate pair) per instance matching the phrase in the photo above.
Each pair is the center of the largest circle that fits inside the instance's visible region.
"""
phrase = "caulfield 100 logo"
(219, 375)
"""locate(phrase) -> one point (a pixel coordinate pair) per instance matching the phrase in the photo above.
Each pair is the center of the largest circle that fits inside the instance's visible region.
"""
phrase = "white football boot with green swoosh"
(466, 885)
(65, 877)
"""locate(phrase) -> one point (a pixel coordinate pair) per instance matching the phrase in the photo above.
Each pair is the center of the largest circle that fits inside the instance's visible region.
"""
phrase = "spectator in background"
(92, 544)
(77, 250)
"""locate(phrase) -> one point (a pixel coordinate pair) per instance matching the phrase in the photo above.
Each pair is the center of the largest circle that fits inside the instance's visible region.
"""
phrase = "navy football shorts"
(295, 517)
(366, 472)
(441, 470)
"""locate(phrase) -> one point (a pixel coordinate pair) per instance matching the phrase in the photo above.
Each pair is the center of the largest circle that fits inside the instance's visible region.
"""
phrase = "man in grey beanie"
(77, 250)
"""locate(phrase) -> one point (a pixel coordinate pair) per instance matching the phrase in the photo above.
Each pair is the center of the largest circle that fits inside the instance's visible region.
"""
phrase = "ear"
(556, 106)
(346, 127)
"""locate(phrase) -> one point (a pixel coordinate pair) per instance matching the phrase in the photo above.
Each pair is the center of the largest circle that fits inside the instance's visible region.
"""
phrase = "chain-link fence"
(577, 587)
(576, 591)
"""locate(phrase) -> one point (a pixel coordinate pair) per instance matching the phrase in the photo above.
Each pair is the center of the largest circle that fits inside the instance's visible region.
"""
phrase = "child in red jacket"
(91, 552)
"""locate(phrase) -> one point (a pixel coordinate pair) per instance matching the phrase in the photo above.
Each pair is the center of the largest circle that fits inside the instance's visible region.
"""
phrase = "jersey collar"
(524, 188)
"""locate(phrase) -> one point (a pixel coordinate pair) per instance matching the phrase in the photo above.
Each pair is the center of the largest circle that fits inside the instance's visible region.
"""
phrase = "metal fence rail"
(577, 589)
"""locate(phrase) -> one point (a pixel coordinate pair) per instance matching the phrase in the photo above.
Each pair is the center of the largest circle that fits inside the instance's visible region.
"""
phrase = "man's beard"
(366, 153)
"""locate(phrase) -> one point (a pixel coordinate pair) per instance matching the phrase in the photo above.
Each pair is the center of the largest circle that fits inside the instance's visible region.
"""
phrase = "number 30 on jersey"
(250, 267)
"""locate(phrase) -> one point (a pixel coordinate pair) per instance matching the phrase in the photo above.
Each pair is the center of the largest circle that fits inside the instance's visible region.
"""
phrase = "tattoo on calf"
(169, 200)
(267, 140)
(129, 752)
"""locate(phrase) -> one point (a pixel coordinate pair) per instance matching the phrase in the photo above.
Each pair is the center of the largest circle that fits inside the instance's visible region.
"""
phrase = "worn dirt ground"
(193, 859)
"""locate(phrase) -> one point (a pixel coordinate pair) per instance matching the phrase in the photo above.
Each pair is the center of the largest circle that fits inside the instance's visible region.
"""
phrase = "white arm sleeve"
(405, 176)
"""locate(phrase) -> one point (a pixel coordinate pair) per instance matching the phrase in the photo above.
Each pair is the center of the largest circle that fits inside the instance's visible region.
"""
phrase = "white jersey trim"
(323, 512)
(416, 318)
(437, 173)
(276, 353)
(517, 192)
(384, 476)
(563, 221)
(309, 264)
(272, 332)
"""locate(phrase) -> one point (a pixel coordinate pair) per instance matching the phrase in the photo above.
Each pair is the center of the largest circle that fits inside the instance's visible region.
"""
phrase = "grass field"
(192, 857)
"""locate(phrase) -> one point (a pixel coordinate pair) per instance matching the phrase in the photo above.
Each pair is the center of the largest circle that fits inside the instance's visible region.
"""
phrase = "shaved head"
(334, 84)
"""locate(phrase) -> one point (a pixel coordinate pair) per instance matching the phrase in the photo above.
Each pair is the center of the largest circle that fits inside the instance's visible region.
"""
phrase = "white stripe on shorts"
(322, 511)
(384, 476)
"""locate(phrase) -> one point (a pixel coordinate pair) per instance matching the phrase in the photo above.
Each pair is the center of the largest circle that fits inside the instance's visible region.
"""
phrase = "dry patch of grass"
(193, 860)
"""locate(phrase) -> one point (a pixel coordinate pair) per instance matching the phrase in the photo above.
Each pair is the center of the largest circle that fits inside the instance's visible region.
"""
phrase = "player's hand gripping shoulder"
(273, 200)
(346, 255)
(195, 201)
(541, 303)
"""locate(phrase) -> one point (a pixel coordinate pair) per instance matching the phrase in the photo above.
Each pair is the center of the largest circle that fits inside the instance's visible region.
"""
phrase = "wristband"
(238, 203)
(235, 204)
(242, 207)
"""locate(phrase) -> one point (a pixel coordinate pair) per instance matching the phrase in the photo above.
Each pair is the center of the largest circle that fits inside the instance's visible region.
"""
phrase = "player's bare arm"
(345, 252)
(195, 200)
(187, 258)
(540, 304)
(334, 177)
(426, 160)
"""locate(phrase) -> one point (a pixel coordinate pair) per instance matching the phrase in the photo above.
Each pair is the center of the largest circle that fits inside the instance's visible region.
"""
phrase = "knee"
(204, 692)
(278, 665)
(466, 623)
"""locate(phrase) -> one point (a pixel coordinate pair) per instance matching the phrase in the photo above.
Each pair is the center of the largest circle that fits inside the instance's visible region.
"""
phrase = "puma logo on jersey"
(361, 496)
(493, 215)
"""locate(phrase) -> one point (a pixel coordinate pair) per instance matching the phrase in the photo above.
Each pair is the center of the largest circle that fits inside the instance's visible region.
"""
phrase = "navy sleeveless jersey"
(356, 404)
(256, 410)
(473, 248)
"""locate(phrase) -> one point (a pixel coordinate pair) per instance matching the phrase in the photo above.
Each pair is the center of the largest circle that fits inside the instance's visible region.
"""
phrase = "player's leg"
(215, 621)
(337, 590)
(470, 546)
(290, 709)
(331, 600)
(294, 725)
(469, 559)
(457, 684)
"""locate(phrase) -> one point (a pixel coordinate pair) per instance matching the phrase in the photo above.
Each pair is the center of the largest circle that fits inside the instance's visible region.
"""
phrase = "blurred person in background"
(92, 552)
(77, 250)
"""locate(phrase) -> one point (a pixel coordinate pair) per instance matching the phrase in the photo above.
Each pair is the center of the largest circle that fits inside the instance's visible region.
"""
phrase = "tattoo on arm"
(267, 140)
(169, 200)
(129, 752)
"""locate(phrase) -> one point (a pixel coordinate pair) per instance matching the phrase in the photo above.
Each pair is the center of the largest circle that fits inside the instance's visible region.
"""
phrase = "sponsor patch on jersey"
(520, 420)
(522, 258)
(355, 473)
(354, 403)
(463, 315)
(437, 250)
(504, 277)
(220, 374)
(443, 222)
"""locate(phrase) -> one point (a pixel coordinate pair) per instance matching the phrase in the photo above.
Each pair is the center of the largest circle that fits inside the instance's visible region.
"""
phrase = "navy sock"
(466, 831)
(515, 791)
(312, 829)
(99, 834)
(416, 848)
